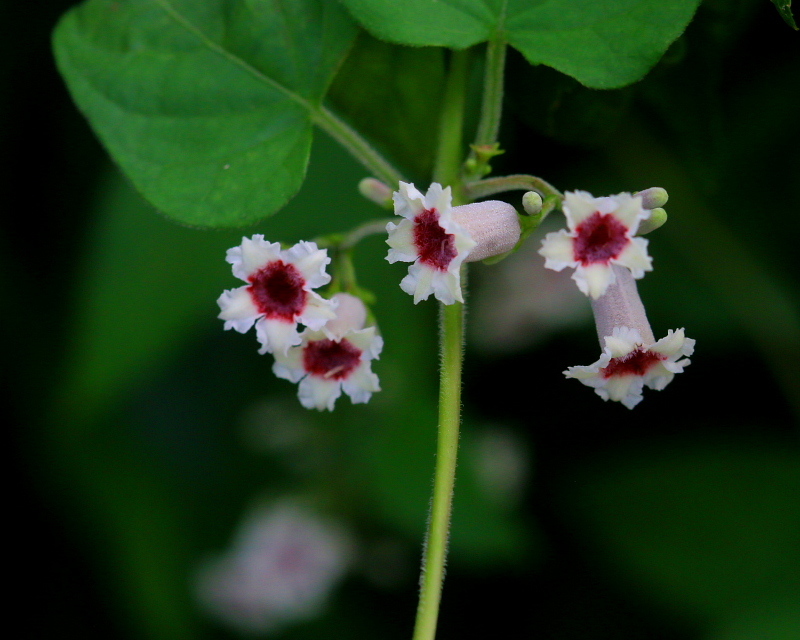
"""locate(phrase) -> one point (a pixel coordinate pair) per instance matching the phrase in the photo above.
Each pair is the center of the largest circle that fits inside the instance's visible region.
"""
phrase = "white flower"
(628, 364)
(279, 293)
(432, 240)
(283, 563)
(334, 359)
(631, 357)
(600, 234)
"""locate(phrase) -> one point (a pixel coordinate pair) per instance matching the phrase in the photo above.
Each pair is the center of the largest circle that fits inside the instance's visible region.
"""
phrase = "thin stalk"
(433, 562)
(451, 121)
(492, 105)
(359, 148)
(490, 186)
(451, 338)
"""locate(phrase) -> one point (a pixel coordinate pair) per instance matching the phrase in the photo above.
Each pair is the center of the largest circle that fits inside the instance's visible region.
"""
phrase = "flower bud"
(351, 314)
(532, 203)
(657, 219)
(653, 198)
(493, 225)
(376, 191)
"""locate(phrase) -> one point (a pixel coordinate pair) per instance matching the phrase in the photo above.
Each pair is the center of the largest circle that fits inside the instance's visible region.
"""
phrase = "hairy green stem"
(360, 149)
(435, 553)
(451, 123)
(492, 106)
(451, 338)
(490, 186)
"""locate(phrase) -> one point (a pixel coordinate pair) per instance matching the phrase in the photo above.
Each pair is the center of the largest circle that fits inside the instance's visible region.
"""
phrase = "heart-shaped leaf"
(207, 105)
(601, 43)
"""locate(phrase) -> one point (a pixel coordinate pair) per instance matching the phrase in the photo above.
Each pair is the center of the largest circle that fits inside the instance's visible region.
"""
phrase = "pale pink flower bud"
(493, 225)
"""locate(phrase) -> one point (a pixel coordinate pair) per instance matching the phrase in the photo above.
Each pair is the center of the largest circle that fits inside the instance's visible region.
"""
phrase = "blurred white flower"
(280, 569)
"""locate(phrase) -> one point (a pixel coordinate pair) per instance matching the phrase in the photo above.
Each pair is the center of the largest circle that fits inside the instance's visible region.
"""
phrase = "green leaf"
(707, 530)
(784, 7)
(207, 105)
(602, 43)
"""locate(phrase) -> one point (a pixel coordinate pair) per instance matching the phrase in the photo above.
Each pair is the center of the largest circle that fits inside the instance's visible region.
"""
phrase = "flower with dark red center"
(334, 359)
(631, 358)
(432, 240)
(279, 293)
(601, 234)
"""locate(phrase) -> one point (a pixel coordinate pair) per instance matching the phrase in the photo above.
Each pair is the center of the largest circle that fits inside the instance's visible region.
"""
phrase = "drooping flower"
(600, 235)
(279, 292)
(284, 561)
(334, 359)
(432, 240)
(631, 358)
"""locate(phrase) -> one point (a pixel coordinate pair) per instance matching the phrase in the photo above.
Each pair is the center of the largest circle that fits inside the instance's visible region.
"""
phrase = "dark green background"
(678, 520)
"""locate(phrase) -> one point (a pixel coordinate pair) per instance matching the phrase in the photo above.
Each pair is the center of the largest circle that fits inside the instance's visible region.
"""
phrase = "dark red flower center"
(435, 246)
(600, 238)
(277, 290)
(636, 363)
(331, 359)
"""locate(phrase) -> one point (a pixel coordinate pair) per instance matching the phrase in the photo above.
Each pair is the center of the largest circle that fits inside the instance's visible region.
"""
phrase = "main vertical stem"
(451, 338)
(452, 333)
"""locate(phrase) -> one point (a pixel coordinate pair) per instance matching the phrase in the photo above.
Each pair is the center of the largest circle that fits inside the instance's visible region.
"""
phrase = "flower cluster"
(600, 245)
(333, 352)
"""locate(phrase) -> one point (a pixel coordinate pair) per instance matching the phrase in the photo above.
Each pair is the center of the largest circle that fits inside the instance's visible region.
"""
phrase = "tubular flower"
(631, 357)
(279, 294)
(600, 235)
(334, 359)
(432, 240)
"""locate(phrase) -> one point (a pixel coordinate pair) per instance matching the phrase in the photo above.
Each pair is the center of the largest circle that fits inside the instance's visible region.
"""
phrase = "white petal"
(558, 250)
(447, 287)
(578, 205)
(318, 393)
(674, 344)
(418, 282)
(625, 389)
(634, 256)
(237, 309)
(318, 312)
(361, 384)
(311, 262)
(622, 341)
(253, 254)
(289, 366)
(439, 199)
(276, 336)
(408, 201)
(401, 242)
(593, 280)
(659, 376)
(629, 210)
